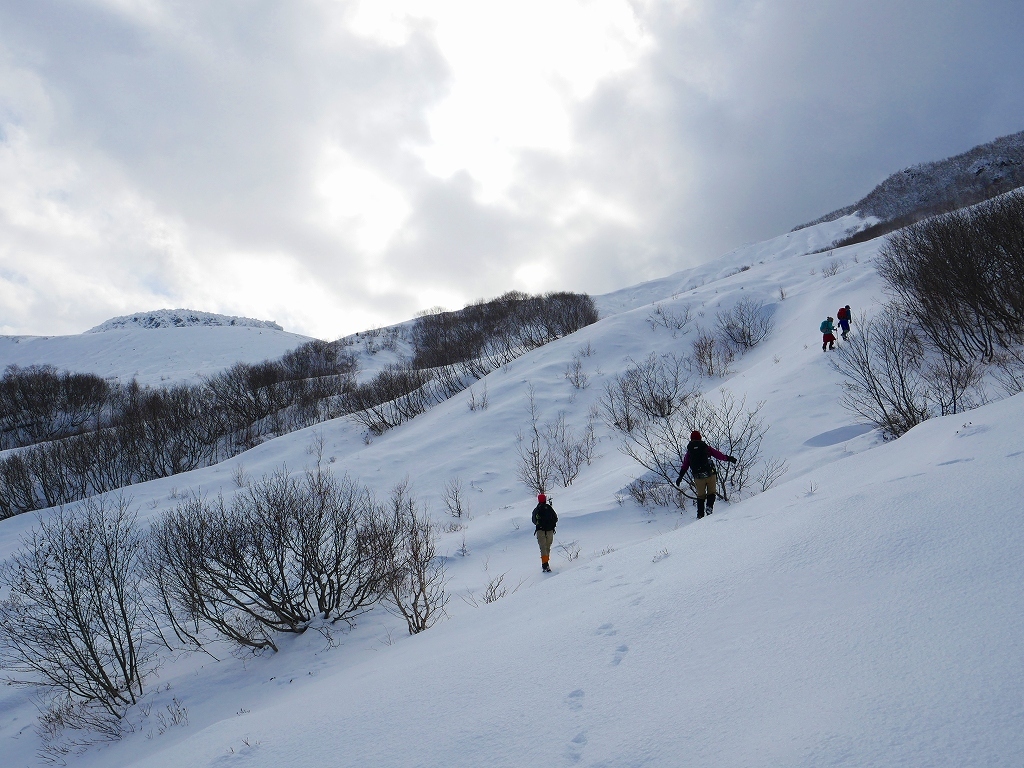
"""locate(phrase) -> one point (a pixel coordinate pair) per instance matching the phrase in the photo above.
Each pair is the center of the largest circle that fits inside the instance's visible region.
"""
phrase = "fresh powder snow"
(867, 610)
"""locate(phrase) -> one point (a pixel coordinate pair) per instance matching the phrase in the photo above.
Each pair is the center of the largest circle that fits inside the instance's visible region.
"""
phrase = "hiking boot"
(546, 568)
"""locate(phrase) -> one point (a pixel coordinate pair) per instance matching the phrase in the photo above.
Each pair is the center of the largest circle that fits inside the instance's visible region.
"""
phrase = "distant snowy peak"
(179, 318)
(929, 188)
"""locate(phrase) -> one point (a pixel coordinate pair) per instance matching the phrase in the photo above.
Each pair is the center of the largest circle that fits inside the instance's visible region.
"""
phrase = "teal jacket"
(827, 327)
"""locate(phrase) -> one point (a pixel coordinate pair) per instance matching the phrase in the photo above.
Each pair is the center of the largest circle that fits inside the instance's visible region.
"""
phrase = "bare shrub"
(536, 466)
(568, 451)
(712, 356)
(833, 268)
(575, 374)
(656, 387)
(495, 590)
(570, 550)
(284, 552)
(745, 325)
(954, 384)
(771, 473)
(74, 621)
(416, 583)
(455, 498)
(655, 492)
(478, 402)
(675, 320)
(176, 714)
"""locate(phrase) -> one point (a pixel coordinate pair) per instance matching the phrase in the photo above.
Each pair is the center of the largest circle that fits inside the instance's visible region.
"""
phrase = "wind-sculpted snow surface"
(865, 611)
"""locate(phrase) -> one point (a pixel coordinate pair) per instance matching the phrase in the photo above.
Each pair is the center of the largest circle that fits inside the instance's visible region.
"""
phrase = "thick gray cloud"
(269, 159)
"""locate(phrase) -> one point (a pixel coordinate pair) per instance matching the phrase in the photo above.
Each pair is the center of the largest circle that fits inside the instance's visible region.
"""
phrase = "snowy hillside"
(154, 356)
(180, 318)
(979, 174)
(865, 611)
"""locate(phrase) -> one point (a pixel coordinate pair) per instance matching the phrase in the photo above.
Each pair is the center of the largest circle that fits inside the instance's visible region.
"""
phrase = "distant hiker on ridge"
(828, 334)
(545, 520)
(698, 460)
(844, 317)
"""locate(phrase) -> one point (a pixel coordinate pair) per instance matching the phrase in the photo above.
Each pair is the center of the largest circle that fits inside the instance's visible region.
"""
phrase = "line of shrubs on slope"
(77, 435)
(956, 315)
(94, 603)
(454, 349)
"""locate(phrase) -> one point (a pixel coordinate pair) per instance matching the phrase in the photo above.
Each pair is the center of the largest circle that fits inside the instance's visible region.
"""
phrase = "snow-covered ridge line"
(978, 174)
(180, 318)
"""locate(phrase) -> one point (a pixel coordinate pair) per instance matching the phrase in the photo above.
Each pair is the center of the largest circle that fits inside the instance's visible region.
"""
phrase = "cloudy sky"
(337, 164)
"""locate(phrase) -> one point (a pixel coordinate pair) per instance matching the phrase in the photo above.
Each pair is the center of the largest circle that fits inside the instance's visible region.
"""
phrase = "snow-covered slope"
(180, 318)
(865, 612)
(152, 355)
(875, 621)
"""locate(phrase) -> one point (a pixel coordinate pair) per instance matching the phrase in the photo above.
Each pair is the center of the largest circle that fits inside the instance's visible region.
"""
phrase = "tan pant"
(545, 539)
(705, 486)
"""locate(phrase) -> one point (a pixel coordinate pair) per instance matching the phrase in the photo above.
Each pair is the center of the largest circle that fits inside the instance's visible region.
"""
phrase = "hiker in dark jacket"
(698, 461)
(545, 520)
(844, 317)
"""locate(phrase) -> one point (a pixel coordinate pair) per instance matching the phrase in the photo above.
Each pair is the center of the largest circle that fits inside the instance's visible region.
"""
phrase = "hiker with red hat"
(545, 519)
(698, 460)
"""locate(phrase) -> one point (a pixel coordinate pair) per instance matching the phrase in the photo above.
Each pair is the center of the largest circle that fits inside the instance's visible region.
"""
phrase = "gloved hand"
(733, 459)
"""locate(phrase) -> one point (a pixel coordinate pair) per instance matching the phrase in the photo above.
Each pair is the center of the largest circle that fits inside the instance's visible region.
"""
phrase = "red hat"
(695, 435)
(541, 498)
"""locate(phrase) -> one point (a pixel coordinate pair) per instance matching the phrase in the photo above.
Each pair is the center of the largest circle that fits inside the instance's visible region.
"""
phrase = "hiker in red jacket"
(698, 460)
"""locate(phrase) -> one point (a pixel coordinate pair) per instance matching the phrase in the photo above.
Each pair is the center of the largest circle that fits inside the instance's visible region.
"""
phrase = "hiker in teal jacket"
(828, 334)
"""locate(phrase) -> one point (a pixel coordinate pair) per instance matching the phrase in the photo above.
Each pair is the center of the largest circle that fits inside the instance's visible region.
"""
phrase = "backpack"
(824, 327)
(544, 517)
(841, 314)
(700, 459)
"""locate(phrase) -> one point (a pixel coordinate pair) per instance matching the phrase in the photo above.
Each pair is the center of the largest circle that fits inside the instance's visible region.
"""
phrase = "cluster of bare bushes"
(958, 311)
(80, 436)
(552, 451)
(455, 349)
(960, 277)
(91, 598)
(487, 334)
(736, 330)
(654, 406)
(714, 349)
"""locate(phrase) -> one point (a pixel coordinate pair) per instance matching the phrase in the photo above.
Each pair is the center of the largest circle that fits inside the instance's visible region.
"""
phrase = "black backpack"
(700, 459)
(544, 517)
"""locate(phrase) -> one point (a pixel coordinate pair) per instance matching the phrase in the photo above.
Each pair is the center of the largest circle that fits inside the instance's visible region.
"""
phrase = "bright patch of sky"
(518, 70)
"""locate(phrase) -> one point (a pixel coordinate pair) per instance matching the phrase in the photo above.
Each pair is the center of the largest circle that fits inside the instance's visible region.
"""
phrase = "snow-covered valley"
(867, 610)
